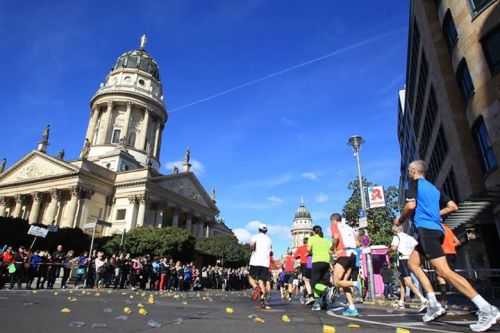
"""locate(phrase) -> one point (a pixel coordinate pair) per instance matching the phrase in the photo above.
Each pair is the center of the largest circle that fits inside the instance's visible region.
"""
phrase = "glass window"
(491, 47)
(131, 139)
(477, 5)
(450, 31)
(120, 214)
(465, 80)
(482, 138)
(116, 136)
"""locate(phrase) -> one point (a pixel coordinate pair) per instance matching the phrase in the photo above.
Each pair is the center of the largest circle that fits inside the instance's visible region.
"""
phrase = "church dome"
(302, 212)
(138, 59)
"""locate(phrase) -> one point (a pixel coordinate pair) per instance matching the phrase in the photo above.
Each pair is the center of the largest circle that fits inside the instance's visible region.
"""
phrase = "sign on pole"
(52, 228)
(376, 196)
(38, 231)
(363, 221)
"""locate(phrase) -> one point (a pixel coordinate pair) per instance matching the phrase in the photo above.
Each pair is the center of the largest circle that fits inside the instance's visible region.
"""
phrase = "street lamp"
(355, 142)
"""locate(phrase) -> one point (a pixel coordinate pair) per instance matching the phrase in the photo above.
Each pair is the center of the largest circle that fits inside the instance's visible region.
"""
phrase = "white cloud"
(274, 231)
(268, 182)
(243, 235)
(310, 175)
(322, 198)
(275, 201)
(197, 167)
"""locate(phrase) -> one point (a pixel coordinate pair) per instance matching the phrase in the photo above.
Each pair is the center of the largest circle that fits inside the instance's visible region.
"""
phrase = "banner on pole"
(38, 231)
(376, 196)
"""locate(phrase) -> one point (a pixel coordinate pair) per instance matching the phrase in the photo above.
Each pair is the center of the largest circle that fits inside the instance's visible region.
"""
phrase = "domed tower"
(127, 115)
(302, 225)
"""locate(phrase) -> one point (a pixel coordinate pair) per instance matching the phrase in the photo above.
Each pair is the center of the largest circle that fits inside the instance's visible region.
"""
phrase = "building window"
(422, 84)
(450, 186)
(116, 136)
(491, 48)
(120, 214)
(430, 119)
(478, 5)
(412, 68)
(465, 80)
(482, 138)
(450, 31)
(438, 155)
(131, 139)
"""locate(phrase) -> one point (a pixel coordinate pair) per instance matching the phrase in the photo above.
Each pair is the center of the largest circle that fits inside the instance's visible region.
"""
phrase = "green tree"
(171, 241)
(226, 248)
(379, 219)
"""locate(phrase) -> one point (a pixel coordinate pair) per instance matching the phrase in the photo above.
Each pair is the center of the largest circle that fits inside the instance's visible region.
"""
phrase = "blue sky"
(263, 145)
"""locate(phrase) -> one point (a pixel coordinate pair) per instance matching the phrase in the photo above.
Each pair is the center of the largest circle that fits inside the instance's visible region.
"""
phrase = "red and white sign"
(376, 196)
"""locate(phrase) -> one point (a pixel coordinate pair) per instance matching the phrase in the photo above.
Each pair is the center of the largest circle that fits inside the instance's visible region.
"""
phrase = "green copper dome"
(138, 59)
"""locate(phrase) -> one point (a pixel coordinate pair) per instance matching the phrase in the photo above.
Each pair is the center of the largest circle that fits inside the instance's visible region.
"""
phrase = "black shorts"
(429, 243)
(259, 273)
(289, 278)
(347, 262)
(320, 273)
(306, 272)
(404, 270)
(451, 259)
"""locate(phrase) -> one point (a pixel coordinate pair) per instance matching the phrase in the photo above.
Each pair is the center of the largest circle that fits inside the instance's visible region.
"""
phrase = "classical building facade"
(301, 226)
(116, 177)
(452, 103)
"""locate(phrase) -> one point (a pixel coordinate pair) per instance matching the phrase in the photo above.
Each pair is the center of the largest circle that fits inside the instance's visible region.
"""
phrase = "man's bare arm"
(451, 207)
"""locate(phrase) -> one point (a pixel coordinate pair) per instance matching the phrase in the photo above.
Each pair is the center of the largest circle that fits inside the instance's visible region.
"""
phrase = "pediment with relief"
(35, 166)
(186, 188)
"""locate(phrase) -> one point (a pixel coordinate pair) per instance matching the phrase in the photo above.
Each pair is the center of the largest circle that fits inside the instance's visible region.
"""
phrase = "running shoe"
(309, 300)
(424, 306)
(486, 319)
(350, 312)
(433, 312)
(255, 293)
(401, 305)
(330, 295)
(316, 306)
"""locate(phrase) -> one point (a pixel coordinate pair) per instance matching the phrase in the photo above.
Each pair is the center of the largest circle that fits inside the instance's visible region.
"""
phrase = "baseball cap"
(263, 227)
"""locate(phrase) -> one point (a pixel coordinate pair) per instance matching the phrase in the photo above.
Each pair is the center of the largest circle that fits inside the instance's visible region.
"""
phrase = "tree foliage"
(171, 241)
(379, 219)
(226, 248)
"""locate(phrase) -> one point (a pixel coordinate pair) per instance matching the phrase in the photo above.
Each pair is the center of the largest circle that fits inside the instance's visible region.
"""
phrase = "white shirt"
(405, 244)
(263, 246)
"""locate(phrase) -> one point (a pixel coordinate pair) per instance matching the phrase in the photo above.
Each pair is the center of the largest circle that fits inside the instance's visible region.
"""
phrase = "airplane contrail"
(288, 69)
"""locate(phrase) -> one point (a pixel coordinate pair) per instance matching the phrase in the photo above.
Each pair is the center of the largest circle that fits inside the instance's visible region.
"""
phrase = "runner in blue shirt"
(427, 204)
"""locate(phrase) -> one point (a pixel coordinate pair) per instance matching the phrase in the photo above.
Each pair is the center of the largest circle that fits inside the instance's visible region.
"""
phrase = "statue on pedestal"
(60, 154)
(84, 154)
(2, 165)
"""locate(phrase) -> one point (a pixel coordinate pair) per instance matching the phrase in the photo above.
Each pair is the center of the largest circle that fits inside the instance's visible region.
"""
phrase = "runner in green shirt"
(320, 249)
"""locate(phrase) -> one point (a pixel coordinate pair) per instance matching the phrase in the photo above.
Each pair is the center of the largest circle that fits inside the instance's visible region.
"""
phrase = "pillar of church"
(156, 150)
(175, 219)
(35, 207)
(132, 217)
(126, 123)
(144, 131)
(92, 123)
(3, 204)
(141, 212)
(52, 207)
(104, 134)
(17, 208)
(189, 223)
(69, 217)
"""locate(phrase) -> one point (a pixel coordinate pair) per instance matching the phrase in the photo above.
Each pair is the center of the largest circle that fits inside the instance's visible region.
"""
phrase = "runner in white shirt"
(404, 244)
(259, 274)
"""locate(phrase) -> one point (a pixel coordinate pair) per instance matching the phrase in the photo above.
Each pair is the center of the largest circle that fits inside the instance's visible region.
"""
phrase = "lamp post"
(355, 142)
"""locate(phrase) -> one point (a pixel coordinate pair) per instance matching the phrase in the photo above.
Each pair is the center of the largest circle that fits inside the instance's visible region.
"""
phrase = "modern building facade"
(301, 226)
(116, 177)
(452, 106)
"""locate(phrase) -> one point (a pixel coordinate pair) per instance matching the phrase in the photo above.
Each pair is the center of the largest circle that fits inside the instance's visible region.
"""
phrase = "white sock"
(423, 299)
(432, 299)
(352, 307)
(481, 303)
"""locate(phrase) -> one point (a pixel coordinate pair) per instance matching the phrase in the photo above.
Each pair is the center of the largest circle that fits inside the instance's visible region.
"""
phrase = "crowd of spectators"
(25, 269)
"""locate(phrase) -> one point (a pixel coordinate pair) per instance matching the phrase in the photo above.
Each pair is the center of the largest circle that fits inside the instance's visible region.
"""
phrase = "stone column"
(175, 219)
(3, 205)
(104, 133)
(156, 149)
(52, 208)
(144, 131)
(92, 123)
(207, 232)
(126, 124)
(35, 207)
(142, 210)
(131, 221)
(19, 204)
(68, 220)
(189, 223)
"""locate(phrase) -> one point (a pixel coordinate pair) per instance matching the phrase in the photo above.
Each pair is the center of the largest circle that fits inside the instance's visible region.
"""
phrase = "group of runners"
(326, 265)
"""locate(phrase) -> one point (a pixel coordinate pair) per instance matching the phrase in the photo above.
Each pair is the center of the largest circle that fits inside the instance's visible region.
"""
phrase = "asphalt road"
(103, 311)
